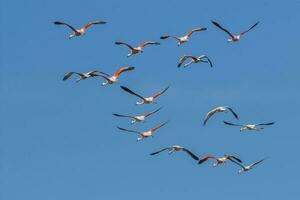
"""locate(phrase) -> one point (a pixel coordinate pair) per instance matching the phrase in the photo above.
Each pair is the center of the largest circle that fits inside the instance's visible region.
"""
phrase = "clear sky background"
(59, 140)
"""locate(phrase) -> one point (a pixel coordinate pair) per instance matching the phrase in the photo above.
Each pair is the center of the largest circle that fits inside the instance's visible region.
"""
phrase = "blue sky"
(59, 140)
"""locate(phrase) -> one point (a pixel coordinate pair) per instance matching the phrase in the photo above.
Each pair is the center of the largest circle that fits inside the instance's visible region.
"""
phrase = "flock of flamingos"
(185, 60)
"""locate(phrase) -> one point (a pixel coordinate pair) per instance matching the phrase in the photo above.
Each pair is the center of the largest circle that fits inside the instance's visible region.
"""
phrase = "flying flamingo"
(81, 31)
(219, 109)
(233, 38)
(138, 118)
(184, 38)
(114, 78)
(174, 148)
(218, 161)
(246, 167)
(250, 127)
(82, 76)
(145, 134)
(138, 49)
(145, 100)
(193, 59)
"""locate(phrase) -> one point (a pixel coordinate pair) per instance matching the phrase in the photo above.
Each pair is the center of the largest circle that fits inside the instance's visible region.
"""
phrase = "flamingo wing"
(123, 69)
(157, 127)
(223, 29)
(205, 158)
(148, 43)
(118, 115)
(69, 74)
(236, 162)
(190, 153)
(209, 114)
(183, 58)
(195, 30)
(234, 157)
(232, 124)
(265, 124)
(169, 36)
(127, 130)
(161, 150)
(205, 56)
(244, 32)
(150, 113)
(93, 23)
(65, 24)
(234, 114)
(253, 164)
(160, 93)
(124, 43)
(126, 89)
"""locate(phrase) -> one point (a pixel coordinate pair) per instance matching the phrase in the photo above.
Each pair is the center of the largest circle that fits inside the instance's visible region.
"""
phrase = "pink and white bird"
(250, 127)
(234, 38)
(143, 135)
(174, 148)
(184, 38)
(81, 31)
(138, 118)
(145, 100)
(114, 78)
(218, 161)
(82, 76)
(193, 59)
(245, 168)
(224, 109)
(138, 49)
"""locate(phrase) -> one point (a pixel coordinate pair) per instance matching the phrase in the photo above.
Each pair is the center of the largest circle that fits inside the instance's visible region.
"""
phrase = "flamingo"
(146, 134)
(138, 49)
(193, 59)
(184, 38)
(234, 38)
(138, 118)
(218, 161)
(250, 127)
(114, 78)
(174, 148)
(219, 109)
(81, 31)
(145, 100)
(246, 167)
(82, 76)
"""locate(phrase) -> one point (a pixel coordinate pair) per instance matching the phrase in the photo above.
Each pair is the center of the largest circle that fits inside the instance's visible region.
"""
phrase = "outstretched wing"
(265, 124)
(236, 162)
(69, 74)
(92, 23)
(118, 115)
(233, 157)
(205, 56)
(148, 43)
(253, 164)
(242, 33)
(209, 114)
(160, 93)
(183, 58)
(126, 89)
(231, 124)
(132, 131)
(157, 127)
(223, 29)
(190, 153)
(161, 150)
(169, 36)
(124, 43)
(205, 158)
(195, 30)
(63, 23)
(230, 109)
(123, 69)
(150, 113)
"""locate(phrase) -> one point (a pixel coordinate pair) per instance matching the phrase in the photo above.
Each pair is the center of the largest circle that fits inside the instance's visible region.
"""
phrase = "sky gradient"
(58, 140)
